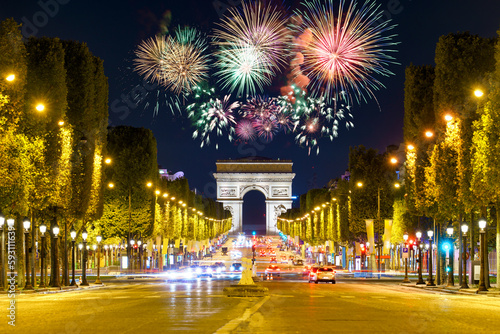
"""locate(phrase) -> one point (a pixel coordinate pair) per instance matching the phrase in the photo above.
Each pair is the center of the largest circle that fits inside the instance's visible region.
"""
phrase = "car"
(311, 271)
(273, 269)
(298, 262)
(323, 274)
(218, 267)
(204, 271)
(236, 267)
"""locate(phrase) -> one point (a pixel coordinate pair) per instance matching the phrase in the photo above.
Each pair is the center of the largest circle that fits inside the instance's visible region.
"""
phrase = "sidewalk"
(49, 290)
(492, 292)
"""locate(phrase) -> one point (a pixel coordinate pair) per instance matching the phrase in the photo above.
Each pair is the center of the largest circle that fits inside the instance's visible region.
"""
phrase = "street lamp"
(84, 256)
(430, 233)
(406, 279)
(72, 233)
(2, 261)
(43, 229)
(463, 283)
(55, 279)
(451, 282)
(482, 283)
(420, 279)
(98, 280)
(26, 225)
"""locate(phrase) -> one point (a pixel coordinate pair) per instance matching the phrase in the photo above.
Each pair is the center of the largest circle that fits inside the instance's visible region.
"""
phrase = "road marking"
(151, 297)
(233, 324)
(346, 296)
(379, 297)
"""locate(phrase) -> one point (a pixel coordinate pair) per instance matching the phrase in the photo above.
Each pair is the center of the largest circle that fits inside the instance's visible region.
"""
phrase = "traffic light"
(253, 233)
(253, 248)
(363, 249)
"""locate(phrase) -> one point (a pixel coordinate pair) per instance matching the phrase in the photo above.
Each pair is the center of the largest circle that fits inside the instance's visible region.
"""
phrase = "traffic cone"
(271, 277)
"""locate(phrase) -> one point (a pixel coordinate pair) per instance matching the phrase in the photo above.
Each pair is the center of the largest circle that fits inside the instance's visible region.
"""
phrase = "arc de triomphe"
(273, 178)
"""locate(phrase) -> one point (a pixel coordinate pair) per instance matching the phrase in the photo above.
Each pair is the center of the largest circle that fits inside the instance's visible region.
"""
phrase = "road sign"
(405, 252)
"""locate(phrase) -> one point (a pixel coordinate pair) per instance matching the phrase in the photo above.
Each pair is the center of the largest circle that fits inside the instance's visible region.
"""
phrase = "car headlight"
(209, 270)
(232, 268)
(199, 270)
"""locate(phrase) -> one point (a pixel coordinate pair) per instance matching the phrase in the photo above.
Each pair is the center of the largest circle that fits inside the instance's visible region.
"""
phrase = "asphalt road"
(199, 306)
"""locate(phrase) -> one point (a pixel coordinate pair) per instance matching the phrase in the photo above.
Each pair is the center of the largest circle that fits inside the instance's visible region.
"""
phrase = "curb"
(50, 290)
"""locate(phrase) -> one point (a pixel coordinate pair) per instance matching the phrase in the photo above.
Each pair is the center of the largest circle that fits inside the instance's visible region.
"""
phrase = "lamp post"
(26, 225)
(72, 233)
(463, 283)
(482, 283)
(43, 229)
(139, 250)
(406, 279)
(451, 282)
(430, 233)
(55, 279)
(420, 279)
(2, 260)
(98, 280)
(84, 256)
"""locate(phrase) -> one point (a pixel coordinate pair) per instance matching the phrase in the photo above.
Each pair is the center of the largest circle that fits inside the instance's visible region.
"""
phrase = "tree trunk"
(20, 252)
(498, 243)
(471, 247)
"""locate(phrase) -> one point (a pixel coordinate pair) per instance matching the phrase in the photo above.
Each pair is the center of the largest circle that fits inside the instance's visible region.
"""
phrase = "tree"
(129, 205)
(485, 183)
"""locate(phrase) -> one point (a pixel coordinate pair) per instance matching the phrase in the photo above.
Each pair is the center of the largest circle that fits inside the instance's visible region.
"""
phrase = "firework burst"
(252, 47)
(246, 131)
(177, 63)
(214, 117)
(345, 48)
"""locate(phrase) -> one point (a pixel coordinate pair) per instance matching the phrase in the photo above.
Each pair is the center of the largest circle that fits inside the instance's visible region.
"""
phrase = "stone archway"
(273, 178)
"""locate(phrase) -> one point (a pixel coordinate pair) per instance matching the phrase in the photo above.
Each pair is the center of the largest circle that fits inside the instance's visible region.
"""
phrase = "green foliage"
(462, 61)
(418, 104)
(12, 61)
(133, 154)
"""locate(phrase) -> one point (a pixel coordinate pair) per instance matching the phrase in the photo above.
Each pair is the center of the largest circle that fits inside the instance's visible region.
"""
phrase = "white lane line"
(379, 297)
(233, 324)
(346, 296)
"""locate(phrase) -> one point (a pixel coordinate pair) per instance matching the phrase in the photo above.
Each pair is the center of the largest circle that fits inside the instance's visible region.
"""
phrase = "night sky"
(112, 29)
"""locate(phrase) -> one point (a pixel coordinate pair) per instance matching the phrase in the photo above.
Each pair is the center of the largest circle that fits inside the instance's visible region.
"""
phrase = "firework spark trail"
(347, 48)
(252, 47)
(177, 63)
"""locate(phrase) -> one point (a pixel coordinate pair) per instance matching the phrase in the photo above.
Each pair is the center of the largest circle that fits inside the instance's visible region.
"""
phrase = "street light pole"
(26, 225)
(406, 279)
(451, 282)
(420, 278)
(55, 279)
(430, 233)
(482, 283)
(43, 229)
(73, 236)
(464, 284)
(98, 280)
(84, 256)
